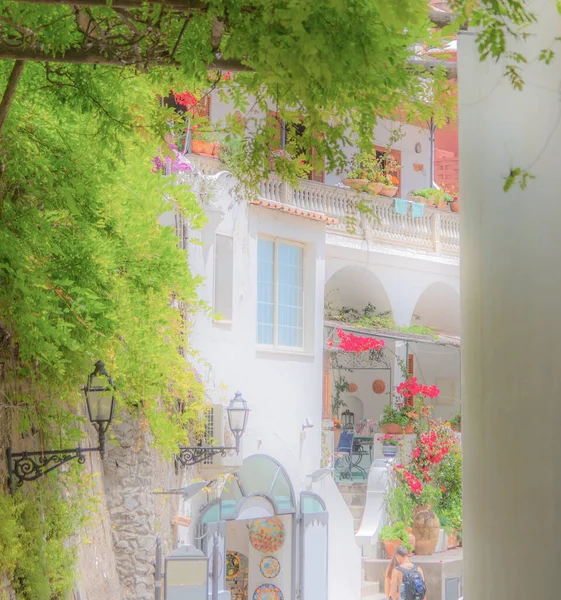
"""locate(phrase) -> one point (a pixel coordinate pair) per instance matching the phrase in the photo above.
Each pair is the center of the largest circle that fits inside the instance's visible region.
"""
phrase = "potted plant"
(423, 195)
(376, 185)
(204, 144)
(391, 183)
(394, 536)
(393, 420)
(455, 201)
(390, 444)
(357, 175)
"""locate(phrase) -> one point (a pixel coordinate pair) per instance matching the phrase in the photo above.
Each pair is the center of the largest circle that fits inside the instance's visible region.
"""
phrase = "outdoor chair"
(343, 454)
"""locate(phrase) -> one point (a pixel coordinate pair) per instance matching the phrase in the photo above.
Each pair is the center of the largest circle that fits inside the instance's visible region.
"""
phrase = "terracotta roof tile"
(294, 210)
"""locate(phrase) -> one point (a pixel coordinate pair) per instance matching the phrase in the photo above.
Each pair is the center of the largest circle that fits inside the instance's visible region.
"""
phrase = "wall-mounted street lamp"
(100, 401)
(238, 414)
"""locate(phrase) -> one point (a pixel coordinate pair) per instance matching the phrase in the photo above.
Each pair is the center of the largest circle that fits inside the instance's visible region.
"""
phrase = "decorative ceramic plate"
(270, 567)
(232, 564)
(267, 535)
(267, 591)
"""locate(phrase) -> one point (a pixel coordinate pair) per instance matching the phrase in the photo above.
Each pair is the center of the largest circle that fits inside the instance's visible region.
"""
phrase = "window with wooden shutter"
(410, 365)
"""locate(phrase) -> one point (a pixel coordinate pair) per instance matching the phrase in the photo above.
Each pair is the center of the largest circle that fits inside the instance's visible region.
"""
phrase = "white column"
(511, 321)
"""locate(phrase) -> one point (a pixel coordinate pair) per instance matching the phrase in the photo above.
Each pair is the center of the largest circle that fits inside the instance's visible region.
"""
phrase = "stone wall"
(132, 472)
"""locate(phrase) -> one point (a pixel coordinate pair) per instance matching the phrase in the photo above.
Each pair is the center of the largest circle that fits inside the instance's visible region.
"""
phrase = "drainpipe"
(432, 129)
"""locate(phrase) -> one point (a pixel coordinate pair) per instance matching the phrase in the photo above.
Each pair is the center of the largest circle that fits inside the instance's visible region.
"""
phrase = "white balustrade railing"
(359, 214)
(373, 217)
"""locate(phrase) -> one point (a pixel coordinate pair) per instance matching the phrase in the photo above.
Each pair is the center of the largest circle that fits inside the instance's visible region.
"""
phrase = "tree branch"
(10, 91)
(180, 5)
(94, 56)
(439, 18)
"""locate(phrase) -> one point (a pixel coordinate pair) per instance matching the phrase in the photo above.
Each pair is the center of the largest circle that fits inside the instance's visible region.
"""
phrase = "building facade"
(268, 264)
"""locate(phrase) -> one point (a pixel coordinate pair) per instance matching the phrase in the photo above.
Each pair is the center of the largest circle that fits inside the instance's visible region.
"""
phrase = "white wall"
(282, 388)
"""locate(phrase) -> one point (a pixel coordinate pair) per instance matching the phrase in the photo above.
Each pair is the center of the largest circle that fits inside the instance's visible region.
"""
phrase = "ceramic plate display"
(232, 565)
(270, 567)
(267, 591)
(267, 535)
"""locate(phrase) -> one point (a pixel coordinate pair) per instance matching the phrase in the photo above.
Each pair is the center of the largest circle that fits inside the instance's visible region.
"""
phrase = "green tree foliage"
(87, 270)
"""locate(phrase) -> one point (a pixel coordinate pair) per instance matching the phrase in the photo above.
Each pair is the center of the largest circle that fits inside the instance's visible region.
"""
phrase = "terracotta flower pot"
(444, 206)
(389, 191)
(455, 206)
(452, 540)
(375, 188)
(426, 529)
(205, 148)
(356, 184)
(391, 546)
(409, 429)
(353, 387)
(392, 428)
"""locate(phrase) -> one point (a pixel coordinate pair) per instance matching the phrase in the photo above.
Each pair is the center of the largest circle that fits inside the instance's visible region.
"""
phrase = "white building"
(267, 265)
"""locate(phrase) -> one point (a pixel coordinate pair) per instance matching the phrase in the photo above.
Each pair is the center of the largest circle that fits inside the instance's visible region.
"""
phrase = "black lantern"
(348, 420)
(100, 401)
(238, 414)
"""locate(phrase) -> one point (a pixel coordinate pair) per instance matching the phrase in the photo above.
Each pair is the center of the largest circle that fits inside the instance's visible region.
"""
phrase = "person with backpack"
(408, 581)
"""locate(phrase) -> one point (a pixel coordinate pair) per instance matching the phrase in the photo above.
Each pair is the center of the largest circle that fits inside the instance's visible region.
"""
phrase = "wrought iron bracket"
(192, 455)
(29, 466)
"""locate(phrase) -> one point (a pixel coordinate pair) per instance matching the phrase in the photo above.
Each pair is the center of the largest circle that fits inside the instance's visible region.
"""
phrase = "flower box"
(205, 148)
(389, 191)
(375, 187)
(356, 184)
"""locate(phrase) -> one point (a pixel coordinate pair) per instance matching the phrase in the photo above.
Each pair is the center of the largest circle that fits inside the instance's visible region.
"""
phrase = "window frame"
(275, 345)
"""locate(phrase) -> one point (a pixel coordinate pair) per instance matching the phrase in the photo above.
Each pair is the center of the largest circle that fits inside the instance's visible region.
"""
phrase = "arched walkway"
(355, 286)
(438, 307)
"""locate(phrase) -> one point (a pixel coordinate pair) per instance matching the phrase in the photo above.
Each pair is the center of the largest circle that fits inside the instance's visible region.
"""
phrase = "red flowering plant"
(413, 402)
(389, 440)
(354, 344)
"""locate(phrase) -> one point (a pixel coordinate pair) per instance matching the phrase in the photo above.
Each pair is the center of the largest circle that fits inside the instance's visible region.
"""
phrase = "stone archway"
(438, 307)
(356, 286)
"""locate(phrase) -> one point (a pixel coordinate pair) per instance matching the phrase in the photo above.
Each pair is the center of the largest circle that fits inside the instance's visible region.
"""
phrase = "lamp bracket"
(192, 455)
(29, 466)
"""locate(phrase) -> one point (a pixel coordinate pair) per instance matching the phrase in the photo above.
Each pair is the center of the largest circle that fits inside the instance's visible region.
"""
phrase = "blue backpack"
(414, 587)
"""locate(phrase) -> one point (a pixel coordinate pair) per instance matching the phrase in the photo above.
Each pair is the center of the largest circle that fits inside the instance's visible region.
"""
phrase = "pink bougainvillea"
(355, 343)
(411, 388)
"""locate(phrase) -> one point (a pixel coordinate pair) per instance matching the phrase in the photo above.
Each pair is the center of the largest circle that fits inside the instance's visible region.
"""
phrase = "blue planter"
(389, 450)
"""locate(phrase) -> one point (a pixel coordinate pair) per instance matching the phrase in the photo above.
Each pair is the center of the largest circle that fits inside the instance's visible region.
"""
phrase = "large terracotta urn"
(426, 529)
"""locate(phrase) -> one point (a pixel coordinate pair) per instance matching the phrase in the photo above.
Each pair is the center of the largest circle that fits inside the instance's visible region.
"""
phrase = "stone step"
(374, 569)
(357, 511)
